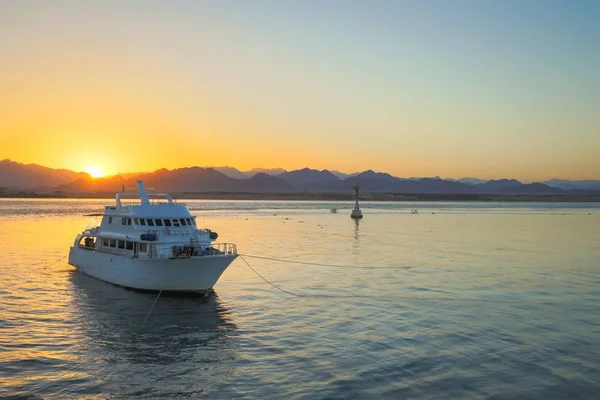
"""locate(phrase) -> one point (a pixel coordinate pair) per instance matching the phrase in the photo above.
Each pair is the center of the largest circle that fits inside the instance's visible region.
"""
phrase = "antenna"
(356, 189)
(163, 182)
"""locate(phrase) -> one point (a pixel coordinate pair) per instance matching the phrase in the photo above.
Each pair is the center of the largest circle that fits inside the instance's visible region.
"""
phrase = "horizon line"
(298, 169)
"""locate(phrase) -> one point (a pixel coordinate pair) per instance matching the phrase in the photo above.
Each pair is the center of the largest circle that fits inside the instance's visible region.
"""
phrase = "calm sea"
(461, 301)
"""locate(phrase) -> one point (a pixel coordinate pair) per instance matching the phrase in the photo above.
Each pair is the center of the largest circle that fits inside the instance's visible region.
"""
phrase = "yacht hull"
(193, 274)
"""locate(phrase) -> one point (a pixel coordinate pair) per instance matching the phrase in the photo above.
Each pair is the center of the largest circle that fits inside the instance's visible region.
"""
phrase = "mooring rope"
(269, 282)
(430, 298)
(320, 264)
(54, 262)
(152, 308)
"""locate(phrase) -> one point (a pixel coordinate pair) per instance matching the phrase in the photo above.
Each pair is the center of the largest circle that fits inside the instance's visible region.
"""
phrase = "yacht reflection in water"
(188, 334)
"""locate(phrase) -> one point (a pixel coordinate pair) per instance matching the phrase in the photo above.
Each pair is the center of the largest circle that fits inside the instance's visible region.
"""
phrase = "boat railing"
(152, 201)
(216, 249)
(225, 248)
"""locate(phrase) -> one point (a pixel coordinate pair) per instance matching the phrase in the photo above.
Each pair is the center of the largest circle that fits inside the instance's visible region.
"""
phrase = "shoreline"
(306, 196)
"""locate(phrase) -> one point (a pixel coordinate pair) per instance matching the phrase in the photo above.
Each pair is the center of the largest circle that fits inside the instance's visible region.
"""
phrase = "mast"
(143, 194)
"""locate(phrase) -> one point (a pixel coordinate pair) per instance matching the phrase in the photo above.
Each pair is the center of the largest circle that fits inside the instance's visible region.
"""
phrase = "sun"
(95, 171)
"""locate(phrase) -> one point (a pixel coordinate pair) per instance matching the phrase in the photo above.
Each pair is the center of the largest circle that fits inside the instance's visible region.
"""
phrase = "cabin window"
(158, 222)
(113, 243)
(121, 244)
(142, 247)
(104, 242)
(167, 222)
(128, 221)
(142, 221)
(110, 220)
(175, 222)
(123, 221)
(182, 220)
(129, 245)
(136, 221)
(88, 242)
(189, 221)
(150, 222)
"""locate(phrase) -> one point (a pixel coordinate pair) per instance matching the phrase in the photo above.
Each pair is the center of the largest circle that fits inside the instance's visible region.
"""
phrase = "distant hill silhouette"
(501, 185)
(262, 182)
(343, 175)
(237, 174)
(471, 181)
(268, 171)
(29, 176)
(513, 186)
(193, 179)
(231, 172)
(589, 184)
(307, 178)
(371, 181)
(223, 179)
(538, 188)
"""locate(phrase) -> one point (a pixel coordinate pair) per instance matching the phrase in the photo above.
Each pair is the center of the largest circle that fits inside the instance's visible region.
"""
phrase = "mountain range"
(33, 176)
(14, 175)
(237, 174)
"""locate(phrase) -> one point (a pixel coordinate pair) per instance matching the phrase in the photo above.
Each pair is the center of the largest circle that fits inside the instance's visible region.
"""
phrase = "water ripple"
(480, 301)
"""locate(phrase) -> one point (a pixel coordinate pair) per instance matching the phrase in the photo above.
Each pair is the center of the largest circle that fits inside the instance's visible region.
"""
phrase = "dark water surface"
(468, 300)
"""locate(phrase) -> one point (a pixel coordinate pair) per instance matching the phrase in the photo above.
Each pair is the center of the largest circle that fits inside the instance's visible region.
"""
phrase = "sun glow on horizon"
(95, 171)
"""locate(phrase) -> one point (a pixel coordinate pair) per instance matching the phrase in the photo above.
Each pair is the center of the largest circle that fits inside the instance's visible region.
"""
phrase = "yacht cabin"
(154, 227)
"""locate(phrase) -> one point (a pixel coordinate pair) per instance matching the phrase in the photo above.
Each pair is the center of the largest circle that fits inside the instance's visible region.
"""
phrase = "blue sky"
(415, 88)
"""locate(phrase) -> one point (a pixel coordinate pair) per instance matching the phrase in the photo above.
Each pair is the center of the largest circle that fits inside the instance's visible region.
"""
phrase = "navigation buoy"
(356, 213)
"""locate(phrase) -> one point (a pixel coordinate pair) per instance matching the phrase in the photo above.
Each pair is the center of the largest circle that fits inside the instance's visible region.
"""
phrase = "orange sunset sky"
(484, 89)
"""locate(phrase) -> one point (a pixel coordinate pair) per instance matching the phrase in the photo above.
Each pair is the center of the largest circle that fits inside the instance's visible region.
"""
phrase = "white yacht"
(151, 244)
